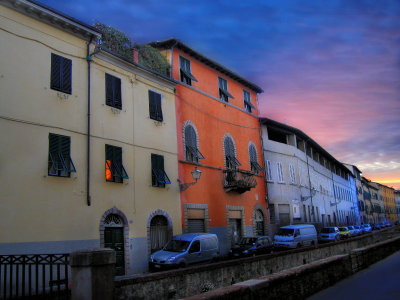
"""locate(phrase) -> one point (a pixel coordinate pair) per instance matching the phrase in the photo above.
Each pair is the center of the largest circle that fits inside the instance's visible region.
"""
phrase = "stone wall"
(197, 279)
(294, 283)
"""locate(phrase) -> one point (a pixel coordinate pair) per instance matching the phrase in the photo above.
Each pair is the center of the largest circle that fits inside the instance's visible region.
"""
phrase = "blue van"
(186, 249)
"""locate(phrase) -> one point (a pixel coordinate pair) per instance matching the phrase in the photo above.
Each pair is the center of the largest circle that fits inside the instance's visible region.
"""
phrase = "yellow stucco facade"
(389, 203)
(54, 214)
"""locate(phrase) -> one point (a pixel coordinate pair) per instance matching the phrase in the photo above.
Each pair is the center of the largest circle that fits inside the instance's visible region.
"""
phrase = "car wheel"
(298, 246)
(182, 265)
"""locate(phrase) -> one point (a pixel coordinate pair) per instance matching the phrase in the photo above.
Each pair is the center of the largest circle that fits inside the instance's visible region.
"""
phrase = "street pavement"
(381, 281)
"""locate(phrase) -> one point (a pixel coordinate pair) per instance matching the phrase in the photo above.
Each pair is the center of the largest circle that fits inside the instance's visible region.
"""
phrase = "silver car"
(329, 234)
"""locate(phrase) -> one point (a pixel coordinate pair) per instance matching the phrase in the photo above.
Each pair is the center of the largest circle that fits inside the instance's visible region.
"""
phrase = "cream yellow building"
(89, 143)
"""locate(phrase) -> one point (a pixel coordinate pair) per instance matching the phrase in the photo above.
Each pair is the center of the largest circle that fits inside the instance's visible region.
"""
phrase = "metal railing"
(39, 276)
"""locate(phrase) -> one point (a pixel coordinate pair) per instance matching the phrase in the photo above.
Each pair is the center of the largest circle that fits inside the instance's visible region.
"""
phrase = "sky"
(329, 68)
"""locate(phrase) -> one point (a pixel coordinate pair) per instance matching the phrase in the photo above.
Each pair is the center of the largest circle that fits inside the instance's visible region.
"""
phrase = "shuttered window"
(193, 154)
(247, 101)
(155, 106)
(159, 177)
(113, 91)
(115, 171)
(185, 70)
(268, 168)
(230, 158)
(223, 90)
(254, 166)
(60, 162)
(61, 74)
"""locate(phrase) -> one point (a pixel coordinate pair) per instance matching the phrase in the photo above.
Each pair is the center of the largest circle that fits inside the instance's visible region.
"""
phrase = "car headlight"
(171, 258)
(245, 251)
(230, 251)
(152, 257)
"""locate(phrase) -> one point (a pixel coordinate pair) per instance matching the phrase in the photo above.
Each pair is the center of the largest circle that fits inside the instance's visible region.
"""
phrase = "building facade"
(305, 184)
(389, 203)
(218, 135)
(89, 165)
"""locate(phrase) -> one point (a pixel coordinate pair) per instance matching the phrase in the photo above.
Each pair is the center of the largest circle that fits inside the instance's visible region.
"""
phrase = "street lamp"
(312, 194)
(196, 173)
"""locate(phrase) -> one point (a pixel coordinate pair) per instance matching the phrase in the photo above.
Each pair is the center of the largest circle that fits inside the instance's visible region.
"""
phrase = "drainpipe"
(89, 59)
(309, 180)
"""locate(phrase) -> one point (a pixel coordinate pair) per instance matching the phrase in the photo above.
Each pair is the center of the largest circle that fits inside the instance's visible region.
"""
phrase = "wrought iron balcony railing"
(239, 181)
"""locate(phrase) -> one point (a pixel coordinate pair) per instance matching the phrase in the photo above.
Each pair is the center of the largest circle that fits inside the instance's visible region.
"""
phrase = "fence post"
(92, 274)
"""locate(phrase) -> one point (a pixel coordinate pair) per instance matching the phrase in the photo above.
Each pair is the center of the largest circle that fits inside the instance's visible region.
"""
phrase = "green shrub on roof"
(119, 43)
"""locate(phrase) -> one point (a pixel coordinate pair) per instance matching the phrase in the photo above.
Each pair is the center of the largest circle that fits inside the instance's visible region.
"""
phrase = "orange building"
(218, 135)
(389, 203)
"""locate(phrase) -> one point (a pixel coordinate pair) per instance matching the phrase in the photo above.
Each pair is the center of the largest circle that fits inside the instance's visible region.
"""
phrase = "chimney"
(135, 55)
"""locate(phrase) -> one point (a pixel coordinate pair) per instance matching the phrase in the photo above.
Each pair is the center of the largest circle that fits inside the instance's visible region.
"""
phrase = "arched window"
(230, 156)
(193, 154)
(254, 166)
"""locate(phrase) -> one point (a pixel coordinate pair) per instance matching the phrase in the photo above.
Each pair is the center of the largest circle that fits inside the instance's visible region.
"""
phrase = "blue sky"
(330, 68)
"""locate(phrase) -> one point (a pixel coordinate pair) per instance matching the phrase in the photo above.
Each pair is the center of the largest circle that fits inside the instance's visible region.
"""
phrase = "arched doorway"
(259, 220)
(114, 234)
(114, 239)
(158, 232)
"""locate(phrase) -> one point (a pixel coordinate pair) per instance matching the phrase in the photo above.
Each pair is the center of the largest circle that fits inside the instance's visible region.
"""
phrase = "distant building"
(305, 183)
(76, 178)
(388, 194)
(397, 199)
(219, 135)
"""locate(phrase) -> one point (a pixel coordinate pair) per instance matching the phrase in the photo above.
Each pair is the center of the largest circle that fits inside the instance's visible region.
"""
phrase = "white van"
(186, 249)
(296, 236)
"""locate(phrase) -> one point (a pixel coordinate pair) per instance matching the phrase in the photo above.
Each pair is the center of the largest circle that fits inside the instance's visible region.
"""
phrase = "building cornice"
(52, 17)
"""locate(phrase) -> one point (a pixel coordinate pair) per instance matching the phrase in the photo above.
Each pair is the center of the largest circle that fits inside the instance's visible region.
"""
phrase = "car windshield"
(327, 230)
(247, 241)
(285, 231)
(342, 228)
(357, 227)
(176, 246)
(351, 228)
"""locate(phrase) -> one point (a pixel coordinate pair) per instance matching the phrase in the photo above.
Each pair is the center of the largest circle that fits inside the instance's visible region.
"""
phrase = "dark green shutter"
(158, 107)
(117, 93)
(55, 72)
(152, 105)
(109, 90)
(66, 75)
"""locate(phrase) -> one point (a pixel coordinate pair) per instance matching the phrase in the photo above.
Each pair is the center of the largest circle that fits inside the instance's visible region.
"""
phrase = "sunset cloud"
(329, 68)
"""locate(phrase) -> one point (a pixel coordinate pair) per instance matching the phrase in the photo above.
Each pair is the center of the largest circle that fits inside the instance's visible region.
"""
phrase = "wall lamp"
(312, 194)
(196, 173)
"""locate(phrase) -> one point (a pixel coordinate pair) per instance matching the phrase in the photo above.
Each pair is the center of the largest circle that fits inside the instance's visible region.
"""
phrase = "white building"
(305, 184)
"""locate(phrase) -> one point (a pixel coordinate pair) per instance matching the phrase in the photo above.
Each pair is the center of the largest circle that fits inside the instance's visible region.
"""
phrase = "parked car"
(358, 229)
(344, 232)
(329, 234)
(388, 224)
(367, 228)
(352, 230)
(252, 246)
(296, 236)
(377, 226)
(186, 249)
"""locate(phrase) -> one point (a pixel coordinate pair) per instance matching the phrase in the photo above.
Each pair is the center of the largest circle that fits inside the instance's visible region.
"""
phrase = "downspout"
(309, 180)
(89, 60)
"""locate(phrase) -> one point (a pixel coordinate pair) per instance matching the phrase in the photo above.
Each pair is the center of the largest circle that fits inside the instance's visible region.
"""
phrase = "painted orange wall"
(213, 119)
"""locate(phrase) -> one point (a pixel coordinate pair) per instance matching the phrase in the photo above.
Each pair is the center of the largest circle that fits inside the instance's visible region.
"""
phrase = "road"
(379, 281)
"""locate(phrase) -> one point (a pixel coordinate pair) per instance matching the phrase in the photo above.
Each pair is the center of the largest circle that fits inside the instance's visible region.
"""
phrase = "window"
(223, 90)
(247, 101)
(60, 162)
(61, 74)
(113, 91)
(254, 166)
(159, 177)
(230, 158)
(192, 152)
(280, 172)
(268, 168)
(293, 174)
(186, 73)
(115, 171)
(155, 106)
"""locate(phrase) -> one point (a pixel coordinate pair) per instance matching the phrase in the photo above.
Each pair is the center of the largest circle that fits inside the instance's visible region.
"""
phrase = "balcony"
(239, 181)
